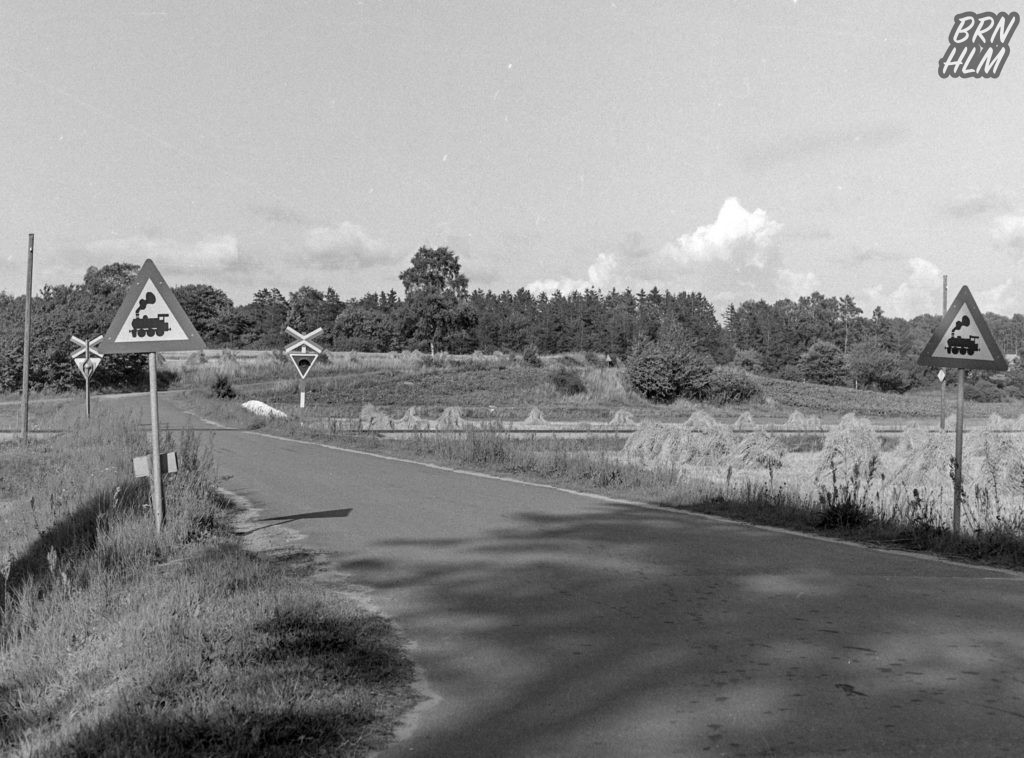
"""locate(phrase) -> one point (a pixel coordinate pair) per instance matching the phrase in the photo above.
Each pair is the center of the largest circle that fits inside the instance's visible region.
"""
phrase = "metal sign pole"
(942, 384)
(302, 392)
(154, 464)
(958, 471)
(88, 405)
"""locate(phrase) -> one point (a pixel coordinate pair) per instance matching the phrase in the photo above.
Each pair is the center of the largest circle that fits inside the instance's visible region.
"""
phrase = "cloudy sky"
(740, 149)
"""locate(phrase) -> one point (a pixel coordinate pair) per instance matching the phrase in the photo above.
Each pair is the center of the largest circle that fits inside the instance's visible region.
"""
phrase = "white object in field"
(262, 409)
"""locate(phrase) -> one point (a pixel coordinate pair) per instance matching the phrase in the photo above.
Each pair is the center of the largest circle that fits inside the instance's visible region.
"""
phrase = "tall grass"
(116, 640)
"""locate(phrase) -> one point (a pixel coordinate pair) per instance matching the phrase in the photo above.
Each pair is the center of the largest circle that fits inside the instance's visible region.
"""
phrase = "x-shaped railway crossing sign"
(303, 352)
(87, 357)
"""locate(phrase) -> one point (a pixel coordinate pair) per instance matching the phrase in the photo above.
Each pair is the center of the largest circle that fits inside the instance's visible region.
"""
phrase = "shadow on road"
(615, 633)
(281, 520)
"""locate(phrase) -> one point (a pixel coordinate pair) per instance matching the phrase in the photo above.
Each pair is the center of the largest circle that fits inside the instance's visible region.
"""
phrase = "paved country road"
(549, 623)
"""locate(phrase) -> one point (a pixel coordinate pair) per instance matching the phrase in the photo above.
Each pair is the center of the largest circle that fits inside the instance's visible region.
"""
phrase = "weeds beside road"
(115, 640)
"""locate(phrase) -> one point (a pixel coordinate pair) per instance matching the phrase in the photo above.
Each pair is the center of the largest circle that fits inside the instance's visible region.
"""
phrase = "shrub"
(662, 373)
(749, 360)
(729, 385)
(165, 377)
(823, 363)
(568, 381)
(693, 373)
(222, 388)
(982, 391)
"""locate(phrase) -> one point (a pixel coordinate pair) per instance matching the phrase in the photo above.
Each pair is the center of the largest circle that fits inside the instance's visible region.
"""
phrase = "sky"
(757, 149)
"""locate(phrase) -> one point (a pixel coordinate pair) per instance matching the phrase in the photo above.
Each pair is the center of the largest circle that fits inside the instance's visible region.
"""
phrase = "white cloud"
(1008, 230)
(210, 254)
(1003, 299)
(343, 245)
(920, 292)
(729, 260)
(795, 284)
(737, 235)
(601, 275)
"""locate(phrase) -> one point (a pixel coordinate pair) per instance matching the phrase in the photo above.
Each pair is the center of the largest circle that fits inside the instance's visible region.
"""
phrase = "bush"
(568, 382)
(729, 385)
(982, 391)
(165, 377)
(222, 388)
(651, 372)
(749, 360)
(531, 357)
(823, 363)
(662, 373)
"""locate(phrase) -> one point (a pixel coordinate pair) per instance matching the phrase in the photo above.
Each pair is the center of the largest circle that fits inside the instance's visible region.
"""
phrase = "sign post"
(151, 320)
(961, 341)
(303, 354)
(942, 378)
(87, 358)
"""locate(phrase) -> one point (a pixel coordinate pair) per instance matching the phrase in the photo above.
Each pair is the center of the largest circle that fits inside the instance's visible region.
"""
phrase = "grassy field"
(343, 382)
(116, 640)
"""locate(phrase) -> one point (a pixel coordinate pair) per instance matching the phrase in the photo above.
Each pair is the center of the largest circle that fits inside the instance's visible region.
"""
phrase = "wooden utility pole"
(28, 338)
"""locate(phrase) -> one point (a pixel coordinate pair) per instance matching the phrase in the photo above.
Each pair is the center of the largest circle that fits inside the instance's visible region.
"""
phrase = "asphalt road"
(549, 623)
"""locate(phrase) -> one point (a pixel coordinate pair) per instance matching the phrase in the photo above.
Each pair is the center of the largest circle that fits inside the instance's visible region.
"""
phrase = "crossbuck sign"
(303, 354)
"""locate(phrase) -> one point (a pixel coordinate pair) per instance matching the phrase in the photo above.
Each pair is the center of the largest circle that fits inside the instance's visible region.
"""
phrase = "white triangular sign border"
(295, 362)
(940, 350)
(180, 334)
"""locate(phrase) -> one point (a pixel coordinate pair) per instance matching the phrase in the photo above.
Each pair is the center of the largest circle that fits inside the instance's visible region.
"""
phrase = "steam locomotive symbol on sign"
(146, 326)
(962, 345)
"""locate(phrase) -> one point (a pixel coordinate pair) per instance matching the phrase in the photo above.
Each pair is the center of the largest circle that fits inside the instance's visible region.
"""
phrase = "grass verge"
(116, 640)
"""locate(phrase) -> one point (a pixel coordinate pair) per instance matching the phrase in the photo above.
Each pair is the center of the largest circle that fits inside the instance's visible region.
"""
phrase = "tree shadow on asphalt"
(618, 632)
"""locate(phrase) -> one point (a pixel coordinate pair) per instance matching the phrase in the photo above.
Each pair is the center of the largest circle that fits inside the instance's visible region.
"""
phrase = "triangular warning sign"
(963, 339)
(150, 319)
(303, 362)
(87, 365)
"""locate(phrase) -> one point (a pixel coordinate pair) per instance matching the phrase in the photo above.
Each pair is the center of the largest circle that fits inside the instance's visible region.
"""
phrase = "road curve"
(550, 623)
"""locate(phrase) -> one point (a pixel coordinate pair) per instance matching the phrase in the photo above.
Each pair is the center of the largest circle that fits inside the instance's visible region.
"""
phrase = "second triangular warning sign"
(150, 320)
(963, 339)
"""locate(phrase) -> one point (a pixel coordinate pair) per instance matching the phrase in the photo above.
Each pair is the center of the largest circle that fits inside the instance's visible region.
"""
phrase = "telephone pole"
(28, 337)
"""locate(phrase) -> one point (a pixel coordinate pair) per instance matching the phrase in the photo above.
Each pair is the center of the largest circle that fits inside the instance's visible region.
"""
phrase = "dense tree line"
(814, 338)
